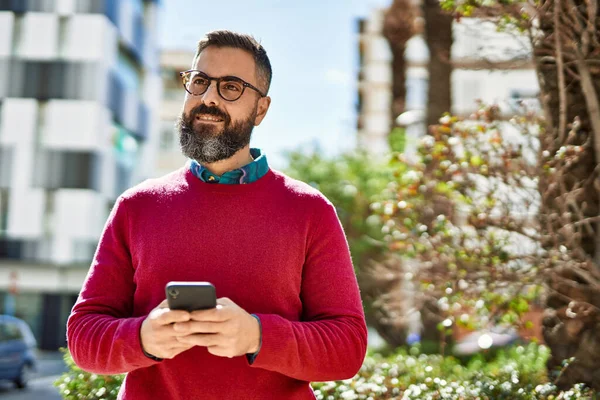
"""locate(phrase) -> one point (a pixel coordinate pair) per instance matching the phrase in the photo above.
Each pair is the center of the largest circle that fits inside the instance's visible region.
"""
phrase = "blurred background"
(458, 141)
(89, 93)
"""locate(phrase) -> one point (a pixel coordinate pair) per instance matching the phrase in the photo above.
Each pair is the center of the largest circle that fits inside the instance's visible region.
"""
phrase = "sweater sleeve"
(330, 341)
(102, 335)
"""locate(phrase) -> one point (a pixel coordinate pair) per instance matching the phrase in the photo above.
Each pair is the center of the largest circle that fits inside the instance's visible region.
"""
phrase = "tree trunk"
(398, 28)
(566, 56)
(438, 35)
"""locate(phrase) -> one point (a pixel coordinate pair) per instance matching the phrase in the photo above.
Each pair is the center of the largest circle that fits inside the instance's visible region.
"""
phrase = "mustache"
(204, 109)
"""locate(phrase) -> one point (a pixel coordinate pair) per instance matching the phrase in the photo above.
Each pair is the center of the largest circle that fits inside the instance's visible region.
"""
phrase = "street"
(50, 366)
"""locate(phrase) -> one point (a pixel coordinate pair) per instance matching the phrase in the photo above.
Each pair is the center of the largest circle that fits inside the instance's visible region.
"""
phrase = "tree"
(463, 211)
(351, 181)
(398, 28)
(566, 51)
(400, 24)
(438, 36)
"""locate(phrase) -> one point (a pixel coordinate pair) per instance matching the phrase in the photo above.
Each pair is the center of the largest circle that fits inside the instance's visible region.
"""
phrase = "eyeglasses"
(230, 88)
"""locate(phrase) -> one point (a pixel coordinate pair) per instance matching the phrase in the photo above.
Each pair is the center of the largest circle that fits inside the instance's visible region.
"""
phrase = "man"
(289, 310)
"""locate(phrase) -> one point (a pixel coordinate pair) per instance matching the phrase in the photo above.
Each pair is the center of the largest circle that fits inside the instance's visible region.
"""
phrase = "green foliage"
(76, 384)
(510, 15)
(351, 182)
(467, 7)
(517, 373)
(397, 139)
(465, 210)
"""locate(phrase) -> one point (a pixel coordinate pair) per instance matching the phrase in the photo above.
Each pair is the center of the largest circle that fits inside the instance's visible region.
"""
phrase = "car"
(475, 342)
(17, 351)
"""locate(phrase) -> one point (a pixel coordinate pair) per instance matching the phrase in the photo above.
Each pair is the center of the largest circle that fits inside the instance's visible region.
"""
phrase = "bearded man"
(289, 309)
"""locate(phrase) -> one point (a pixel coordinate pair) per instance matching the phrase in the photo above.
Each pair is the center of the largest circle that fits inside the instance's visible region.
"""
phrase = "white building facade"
(168, 155)
(79, 96)
(491, 66)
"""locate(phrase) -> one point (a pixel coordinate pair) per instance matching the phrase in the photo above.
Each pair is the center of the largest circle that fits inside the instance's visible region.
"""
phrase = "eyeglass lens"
(197, 83)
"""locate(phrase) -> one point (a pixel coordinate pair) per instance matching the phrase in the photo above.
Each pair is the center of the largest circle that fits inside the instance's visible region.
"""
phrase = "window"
(17, 34)
(49, 212)
(416, 93)
(12, 331)
(6, 163)
(126, 150)
(526, 97)
(67, 169)
(63, 22)
(128, 70)
(3, 211)
(166, 139)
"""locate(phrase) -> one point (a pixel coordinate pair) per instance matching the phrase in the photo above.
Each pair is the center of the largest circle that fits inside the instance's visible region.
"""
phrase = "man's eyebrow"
(232, 77)
(227, 77)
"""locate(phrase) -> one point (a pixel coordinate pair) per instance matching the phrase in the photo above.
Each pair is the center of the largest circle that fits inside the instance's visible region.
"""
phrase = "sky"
(313, 48)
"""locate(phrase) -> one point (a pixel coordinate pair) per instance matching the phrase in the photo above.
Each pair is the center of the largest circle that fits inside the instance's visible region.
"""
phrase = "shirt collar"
(247, 174)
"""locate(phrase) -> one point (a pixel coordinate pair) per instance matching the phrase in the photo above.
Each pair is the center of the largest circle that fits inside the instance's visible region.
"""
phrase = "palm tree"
(438, 35)
(398, 28)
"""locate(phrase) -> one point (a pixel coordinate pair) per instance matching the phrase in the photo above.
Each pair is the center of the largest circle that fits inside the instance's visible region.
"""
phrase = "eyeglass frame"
(219, 80)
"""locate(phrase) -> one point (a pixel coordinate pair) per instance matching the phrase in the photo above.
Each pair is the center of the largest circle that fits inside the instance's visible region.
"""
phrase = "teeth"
(209, 118)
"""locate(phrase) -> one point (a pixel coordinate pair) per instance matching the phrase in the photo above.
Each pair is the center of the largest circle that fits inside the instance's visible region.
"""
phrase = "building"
(374, 85)
(79, 93)
(169, 157)
(488, 65)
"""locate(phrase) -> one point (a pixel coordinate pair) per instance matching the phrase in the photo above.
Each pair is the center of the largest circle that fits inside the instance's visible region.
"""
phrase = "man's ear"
(261, 112)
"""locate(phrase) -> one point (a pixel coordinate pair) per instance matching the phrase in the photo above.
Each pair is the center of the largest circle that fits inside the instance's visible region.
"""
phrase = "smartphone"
(191, 296)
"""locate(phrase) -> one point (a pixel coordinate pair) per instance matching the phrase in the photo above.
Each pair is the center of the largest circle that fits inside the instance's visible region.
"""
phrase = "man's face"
(212, 129)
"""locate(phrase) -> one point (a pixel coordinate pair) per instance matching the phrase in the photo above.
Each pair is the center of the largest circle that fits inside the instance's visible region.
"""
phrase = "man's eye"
(199, 81)
(232, 86)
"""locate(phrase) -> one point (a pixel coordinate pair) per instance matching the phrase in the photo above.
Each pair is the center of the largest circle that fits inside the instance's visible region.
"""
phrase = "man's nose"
(211, 97)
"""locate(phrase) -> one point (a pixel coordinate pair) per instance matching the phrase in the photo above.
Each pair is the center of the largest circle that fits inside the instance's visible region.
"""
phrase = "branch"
(591, 100)
(592, 7)
(562, 118)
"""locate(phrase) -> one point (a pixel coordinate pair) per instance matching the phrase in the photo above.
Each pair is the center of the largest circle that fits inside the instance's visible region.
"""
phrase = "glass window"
(166, 139)
(28, 307)
(128, 71)
(416, 93)
(3, 211)
(67, 169)
(12, 331)
(126, 150)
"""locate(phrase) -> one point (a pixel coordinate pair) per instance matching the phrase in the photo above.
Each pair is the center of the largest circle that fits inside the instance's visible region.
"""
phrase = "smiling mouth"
(208, 118)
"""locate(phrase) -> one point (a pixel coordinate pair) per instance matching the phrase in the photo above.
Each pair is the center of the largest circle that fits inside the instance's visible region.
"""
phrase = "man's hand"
(227, 330)
(157, 334)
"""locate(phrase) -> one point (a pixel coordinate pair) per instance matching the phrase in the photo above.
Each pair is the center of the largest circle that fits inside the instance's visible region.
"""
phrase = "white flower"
(428, 141)
(349, 395)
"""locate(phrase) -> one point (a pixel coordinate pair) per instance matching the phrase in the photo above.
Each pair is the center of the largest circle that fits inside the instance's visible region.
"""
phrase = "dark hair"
(225, 38)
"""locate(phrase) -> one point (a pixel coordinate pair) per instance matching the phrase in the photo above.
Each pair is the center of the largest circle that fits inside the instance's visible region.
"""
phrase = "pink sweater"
(275, 247)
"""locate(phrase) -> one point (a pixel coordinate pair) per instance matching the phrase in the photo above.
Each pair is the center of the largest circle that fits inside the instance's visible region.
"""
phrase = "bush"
(76, 384)
(351, 181)
(465, 209)
(517, 373)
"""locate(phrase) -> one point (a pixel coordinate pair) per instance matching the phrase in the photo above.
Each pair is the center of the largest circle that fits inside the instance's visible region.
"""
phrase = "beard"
(207, 143)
